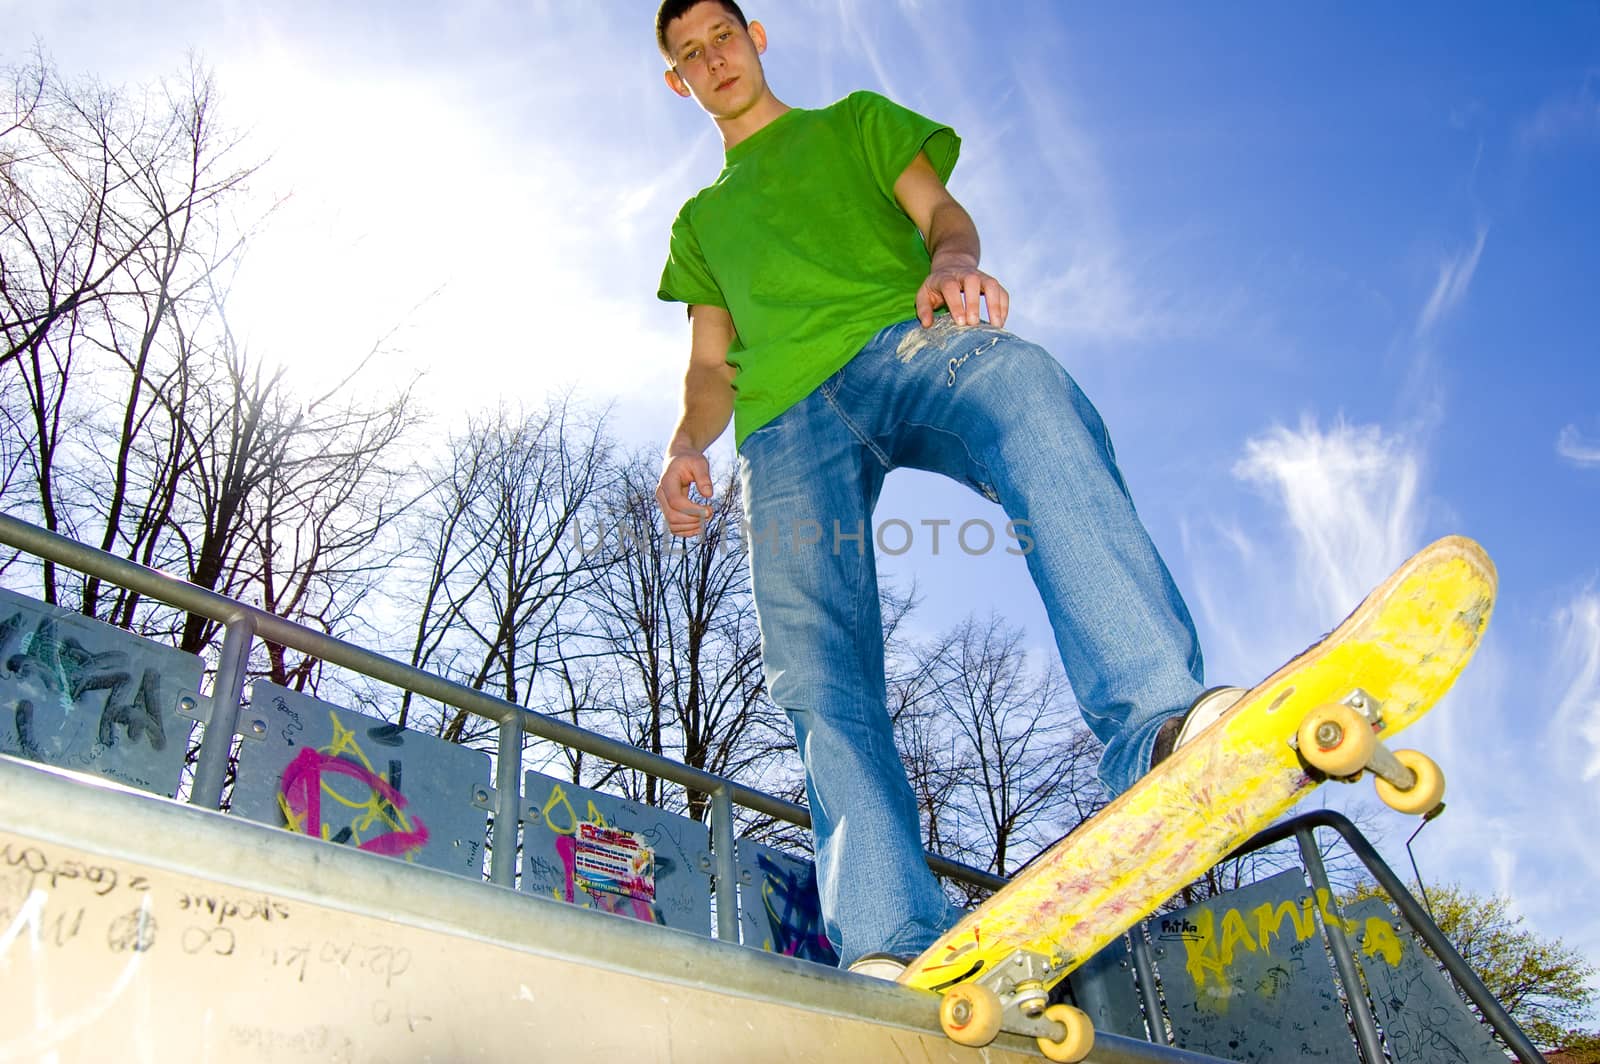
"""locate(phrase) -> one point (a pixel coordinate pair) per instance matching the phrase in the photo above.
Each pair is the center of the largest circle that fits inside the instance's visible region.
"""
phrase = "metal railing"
(244, 624)
(1303, 830)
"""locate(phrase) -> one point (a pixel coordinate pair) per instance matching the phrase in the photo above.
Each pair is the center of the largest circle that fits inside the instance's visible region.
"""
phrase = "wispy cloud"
(1573, 113)
(1088, 287)
(1351, 499)
(1570, 747)
(1455, 277)
(1572, 446)
(1342, 509)
(1577, 718)
(857, 34)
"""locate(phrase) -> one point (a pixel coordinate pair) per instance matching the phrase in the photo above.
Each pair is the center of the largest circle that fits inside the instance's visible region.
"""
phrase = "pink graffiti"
(301, 796)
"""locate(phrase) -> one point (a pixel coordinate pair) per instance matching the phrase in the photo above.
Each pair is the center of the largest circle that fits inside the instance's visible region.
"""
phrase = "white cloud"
(1576, 727)
(1455, 277)
(1572, 446)
(1571, 752)
(1085, 289)
(1565, 115)
(1350, 497)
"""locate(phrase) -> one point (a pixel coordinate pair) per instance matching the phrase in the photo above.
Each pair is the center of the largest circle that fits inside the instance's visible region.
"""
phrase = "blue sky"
(1329, 273)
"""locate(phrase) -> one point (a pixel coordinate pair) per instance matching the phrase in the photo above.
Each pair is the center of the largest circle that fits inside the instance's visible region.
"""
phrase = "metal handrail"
(1302, 827)
(246, 621)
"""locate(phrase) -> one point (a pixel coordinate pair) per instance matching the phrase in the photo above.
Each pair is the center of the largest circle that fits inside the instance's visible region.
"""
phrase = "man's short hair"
(676, 9)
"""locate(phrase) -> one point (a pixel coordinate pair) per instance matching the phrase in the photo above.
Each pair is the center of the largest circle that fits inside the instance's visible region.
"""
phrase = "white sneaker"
(1212, 704)
(879, 966)
(1209, 708)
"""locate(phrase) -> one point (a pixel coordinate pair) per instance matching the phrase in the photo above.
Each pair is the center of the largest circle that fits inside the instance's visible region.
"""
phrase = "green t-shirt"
(801, 240)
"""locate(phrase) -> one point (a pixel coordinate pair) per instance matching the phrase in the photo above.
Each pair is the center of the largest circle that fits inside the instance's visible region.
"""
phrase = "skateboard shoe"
(1212, 704)
(880, 965)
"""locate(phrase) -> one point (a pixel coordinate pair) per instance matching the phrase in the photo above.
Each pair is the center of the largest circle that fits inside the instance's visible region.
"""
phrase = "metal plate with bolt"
(603, 852)
(359, 781)
(79, 694)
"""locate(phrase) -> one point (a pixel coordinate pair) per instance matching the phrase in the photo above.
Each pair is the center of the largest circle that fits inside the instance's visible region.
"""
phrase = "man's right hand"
(685, 516)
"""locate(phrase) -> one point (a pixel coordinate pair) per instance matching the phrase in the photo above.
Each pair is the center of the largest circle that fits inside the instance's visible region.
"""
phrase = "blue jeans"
(1000, 415)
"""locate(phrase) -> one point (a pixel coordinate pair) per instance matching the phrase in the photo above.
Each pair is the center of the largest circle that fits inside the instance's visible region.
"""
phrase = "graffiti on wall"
(602, 852)
(80, 694)
(602, 867)
(1424, 1019)
(1247, 977)
(1213, 944)
(320, 770)
(780, 911)
(793, 910)
(365, 810)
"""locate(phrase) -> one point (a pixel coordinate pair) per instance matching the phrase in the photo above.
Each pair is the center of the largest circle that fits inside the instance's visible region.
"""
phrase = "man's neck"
(761, 114)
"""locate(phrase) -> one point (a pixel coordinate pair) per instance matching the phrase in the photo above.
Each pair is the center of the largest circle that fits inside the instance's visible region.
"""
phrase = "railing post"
(1145, 970)
(1333, 921)
(507, 802)
(1419, 920)
(211, 767)
(727, 869)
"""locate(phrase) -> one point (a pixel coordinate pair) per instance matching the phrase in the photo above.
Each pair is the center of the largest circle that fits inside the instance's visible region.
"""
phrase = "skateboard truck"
(1013, 996)
(1340, 740)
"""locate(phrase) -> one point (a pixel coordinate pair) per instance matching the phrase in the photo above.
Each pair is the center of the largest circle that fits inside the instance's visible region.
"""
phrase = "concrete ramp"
(136, 928)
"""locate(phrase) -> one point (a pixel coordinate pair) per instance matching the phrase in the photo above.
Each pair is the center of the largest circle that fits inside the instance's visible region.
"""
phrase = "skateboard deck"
(1376, 673)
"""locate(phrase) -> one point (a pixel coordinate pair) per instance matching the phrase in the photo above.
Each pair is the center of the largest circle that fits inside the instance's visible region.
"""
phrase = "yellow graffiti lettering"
(344, 741)
(1209, 953)
(1331, 918)
(1270, 918)
(558, 799)
(1234, 934)
(373, 807)
(1379, 940)
(292, 820)
(1200, 951)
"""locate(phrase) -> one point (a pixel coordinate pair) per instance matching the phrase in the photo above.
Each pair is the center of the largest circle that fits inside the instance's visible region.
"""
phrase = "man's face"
(716, 60)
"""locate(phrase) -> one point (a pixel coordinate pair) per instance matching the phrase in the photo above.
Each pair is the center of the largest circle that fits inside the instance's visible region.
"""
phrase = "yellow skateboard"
(1320, 716)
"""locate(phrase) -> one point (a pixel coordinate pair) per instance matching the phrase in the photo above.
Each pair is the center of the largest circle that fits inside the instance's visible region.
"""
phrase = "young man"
(836, 307)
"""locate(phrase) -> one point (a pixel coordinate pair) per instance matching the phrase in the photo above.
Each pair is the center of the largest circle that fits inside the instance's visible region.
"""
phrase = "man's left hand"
(959, 288)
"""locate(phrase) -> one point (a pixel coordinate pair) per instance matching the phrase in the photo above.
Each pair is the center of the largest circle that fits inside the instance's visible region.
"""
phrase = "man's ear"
(758, 34)
(676, 83)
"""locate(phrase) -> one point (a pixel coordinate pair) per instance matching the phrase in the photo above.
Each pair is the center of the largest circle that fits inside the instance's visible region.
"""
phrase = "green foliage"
(1580, 1049)
(1544, 984)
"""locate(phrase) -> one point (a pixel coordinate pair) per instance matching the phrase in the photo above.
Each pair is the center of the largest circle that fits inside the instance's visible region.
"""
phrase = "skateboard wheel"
(1424, 794)
(970, 1014)
(1078, 1040)
(1336, 740)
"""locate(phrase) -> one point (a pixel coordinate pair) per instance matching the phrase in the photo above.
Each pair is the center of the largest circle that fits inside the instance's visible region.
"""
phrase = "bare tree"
(318, 526)
(111, 227)
(993, 745)
(92, 183)
(498, 559)
(675, 622)
(146, 430)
